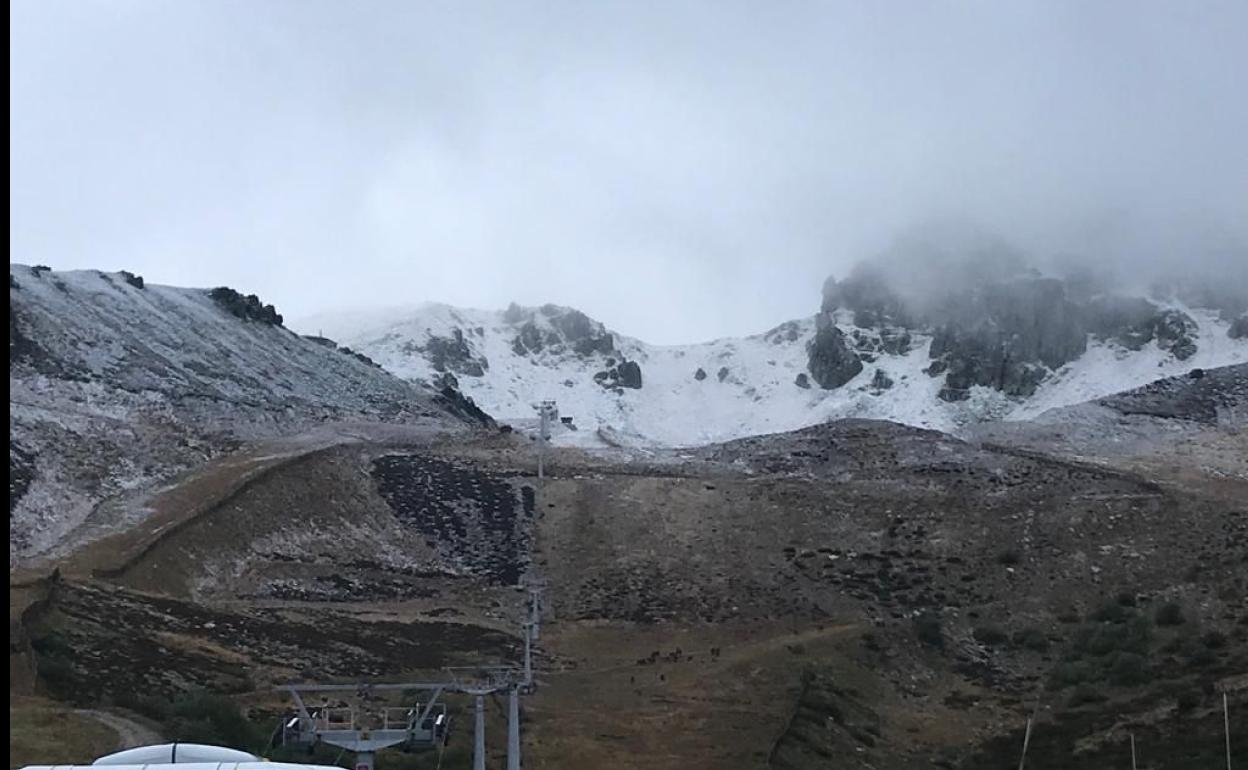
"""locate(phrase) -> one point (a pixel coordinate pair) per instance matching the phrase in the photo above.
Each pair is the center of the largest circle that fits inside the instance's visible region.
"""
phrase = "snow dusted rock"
(116, 385)
(1239, 328)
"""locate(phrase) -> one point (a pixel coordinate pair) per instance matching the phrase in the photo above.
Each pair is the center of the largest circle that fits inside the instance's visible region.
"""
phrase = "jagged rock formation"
(557, 329)
(832, 363)
(1006, 328)
(452, 354)
(1239, 328)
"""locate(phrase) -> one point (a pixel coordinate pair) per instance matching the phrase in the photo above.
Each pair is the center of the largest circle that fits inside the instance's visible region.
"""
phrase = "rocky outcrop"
(248, 308)
(700, 374)
(585, 336)
(453, 354)
(881, 381)
(625, 374)
(555, 328)
(1176, 332)
(997, 323)
(1007, 336)
(1134, 322)
(832, 363)
(802, 380)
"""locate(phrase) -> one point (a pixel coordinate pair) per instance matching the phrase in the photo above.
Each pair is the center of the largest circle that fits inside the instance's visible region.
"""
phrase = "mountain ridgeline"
(933, 337)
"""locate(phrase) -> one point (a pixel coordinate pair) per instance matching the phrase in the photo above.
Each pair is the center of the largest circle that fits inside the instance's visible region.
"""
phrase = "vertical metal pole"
(1226, 724)
(1026, 742)
(1133, 751)
(528, 654)
(478, 743)
(513, 730)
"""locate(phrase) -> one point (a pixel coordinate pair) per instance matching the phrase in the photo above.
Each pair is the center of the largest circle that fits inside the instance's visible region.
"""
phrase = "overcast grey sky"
(680, 170)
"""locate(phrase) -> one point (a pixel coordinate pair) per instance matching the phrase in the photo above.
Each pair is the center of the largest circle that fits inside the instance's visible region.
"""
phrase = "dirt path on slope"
(130, 733)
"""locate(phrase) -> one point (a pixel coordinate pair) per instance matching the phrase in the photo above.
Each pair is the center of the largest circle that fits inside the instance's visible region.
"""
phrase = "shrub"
(1106, 638)
(990, 635)
(1068, 615)
(149, 705)
(1187, 701)
(1214, 640)
(927, 627)
(1009, 557)
(1031, 638)
(1112, 612)
(202, 717)
(1127, 669)
(1170, 614)
(1085, 694)
(1071, 672)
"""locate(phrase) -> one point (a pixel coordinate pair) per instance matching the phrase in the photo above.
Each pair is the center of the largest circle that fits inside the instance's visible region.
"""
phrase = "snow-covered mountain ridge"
(116, 385)
(619, 389)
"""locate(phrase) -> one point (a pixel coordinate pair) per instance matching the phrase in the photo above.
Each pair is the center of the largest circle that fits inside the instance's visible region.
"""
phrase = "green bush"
(1101, 639)
(1187, 701)
(1112, 612)
(1085, 694)
(927, 627)
(1127, 669)
(1071, 672)
(1170, 614)
(149, 705)
(1068, 615)
(990, 635)
(201, 717)
(1214, 640)
(1031, 638)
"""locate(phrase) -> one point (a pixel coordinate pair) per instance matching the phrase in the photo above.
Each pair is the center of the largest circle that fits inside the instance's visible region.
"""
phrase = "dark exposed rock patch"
(453, 354)
(881, 381)
(832, 363)
(1239, 328)
(569, 330)
(358, 356)
(1007, 336)
(248, 308)
(470, 517)
(454, 401)
(700, 374)
(722, 374)
(626, 374)
(802, 380)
